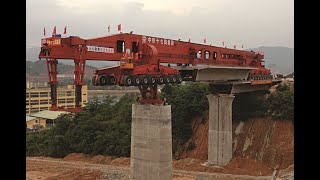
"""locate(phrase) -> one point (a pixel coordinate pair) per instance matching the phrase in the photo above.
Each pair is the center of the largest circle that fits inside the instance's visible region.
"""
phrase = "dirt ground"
(239, 166)
(79, 166)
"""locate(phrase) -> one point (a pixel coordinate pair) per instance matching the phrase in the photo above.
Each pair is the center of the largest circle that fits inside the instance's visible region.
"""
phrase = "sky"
(251, 23)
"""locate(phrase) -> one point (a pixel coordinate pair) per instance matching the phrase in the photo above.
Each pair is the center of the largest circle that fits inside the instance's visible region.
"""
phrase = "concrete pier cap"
(151, 142)
(220, 129)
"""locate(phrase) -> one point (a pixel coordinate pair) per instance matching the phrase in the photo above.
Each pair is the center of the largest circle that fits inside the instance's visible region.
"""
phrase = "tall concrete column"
(220, 129)
(151, 142)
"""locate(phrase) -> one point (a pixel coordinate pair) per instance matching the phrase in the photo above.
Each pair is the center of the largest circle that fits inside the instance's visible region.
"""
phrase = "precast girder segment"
(206, 73)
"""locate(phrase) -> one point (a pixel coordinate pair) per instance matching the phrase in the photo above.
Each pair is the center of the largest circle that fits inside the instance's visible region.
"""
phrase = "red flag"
(65, 30)
(44, 31)
(109, 28)
(205, 40)
(119, 27)
(54, 30)
(189, 40)
(222, 43)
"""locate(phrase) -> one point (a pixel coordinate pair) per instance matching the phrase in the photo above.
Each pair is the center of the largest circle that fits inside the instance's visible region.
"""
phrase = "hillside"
(262, 139)
(37, 70)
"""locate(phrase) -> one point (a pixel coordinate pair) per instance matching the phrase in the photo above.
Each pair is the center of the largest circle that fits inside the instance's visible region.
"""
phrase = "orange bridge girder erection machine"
(141, 59)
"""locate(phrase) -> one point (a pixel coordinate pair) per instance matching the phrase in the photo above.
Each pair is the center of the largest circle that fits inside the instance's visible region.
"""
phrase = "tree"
(280, 104)
(187, 102)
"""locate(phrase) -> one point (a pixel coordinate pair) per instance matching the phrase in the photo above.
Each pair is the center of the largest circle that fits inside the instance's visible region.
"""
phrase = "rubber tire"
(160, 79)
(145, 80)
(103, 81)
(153, 80)
(167, 79)
(135, 79)
(179, 79)
(111, 80)
(128, 81)
(173, 79)
(93, 81)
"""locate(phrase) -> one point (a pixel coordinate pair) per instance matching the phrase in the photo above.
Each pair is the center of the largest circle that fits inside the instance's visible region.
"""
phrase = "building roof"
(29, 118)
(47, 114)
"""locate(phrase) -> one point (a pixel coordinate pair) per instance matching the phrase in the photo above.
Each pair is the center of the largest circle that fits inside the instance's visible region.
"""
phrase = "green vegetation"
(290, 75)
(102, 128)
(248, 105)
(280, 105)
(187, 102)
(105, 127)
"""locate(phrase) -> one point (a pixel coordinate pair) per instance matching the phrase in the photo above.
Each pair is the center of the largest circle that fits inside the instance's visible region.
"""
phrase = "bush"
(280, 105)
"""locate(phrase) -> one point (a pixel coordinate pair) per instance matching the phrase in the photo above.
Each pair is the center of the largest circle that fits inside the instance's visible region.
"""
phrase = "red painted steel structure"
(140, 57)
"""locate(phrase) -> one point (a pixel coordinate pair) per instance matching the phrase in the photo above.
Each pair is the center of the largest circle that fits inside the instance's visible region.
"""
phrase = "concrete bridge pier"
(151, 142)
(220, 129)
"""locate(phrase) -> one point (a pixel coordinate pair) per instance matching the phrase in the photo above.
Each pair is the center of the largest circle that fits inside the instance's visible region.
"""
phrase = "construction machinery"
(147, 61)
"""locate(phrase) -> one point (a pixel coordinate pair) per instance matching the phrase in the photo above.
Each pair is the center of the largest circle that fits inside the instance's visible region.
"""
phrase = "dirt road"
(49, 168)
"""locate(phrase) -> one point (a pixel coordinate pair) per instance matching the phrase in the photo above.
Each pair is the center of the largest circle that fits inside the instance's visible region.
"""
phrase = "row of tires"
(136, 80)
(260, 77)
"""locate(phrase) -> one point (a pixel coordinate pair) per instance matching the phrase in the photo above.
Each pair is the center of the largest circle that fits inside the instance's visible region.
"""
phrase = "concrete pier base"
(220, 129)
(151, 142)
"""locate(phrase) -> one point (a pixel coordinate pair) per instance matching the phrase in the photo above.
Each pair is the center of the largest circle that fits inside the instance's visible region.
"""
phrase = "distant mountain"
(96, 64)
(280, 59)
(37, 71)
(32, 54)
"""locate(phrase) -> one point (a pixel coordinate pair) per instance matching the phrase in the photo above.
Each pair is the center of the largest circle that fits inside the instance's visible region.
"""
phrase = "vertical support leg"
(53, 97)
(220, 129)
(151, 142)
(79, 65)
(53, 81)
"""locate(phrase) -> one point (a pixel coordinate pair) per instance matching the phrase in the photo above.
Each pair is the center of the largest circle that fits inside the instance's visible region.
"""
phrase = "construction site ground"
(79, 166)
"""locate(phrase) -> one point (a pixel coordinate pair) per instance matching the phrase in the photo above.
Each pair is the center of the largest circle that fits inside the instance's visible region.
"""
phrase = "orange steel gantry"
(141, 62)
